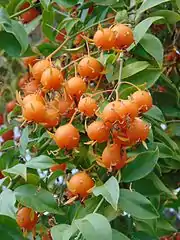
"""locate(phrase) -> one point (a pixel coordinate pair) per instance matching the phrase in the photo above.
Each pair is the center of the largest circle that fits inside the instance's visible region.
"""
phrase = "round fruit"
(52, 117)
(9, 135)
(52, 78)
(1, 119)
(143, 100)
(119, 135)
(26, 218)
(34, 111)
(110, 156)
(23, 80)
(123, 159)
(138, 131)
(57, 167)
(88, 106)
(29, 61)
(10, 106)
(124, 36)
(75, 87)
(66, 107)
(32, 97)
(29, 15)
(98, 131)
(67, 136)
(31, 87)
(105, 39)
(39, 68)
(80, 184)
(90, 67)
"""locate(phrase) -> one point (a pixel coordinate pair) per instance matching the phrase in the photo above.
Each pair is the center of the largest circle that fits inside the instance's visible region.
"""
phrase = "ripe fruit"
(52, 117)
(26, 218)
(1, 119)
(110, 156)
(32, 97)
(60, 37)
(34, 111)
(138, 131)
(90, 67)
(80, 184)
(105, 39)
(23, 80)
(143, 99)
(88, 106)
(78, 39)
(10, 106)
(29, 15)
(29, 60)
(39, 68)
(75, 87)
(66, 107)
(67, 136)
(31, 87)
(119, 135)
(98, 131)
(56, 167)
(124, 36)
(52, 78)
(9, 135)
(123, 160)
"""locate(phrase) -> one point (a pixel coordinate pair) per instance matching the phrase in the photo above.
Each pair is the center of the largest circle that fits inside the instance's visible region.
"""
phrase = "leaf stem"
(98, 206)
(24, 10)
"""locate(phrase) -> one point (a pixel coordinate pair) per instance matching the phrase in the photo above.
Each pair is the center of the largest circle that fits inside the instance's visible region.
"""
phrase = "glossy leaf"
(118, 235)
(42, 162)
(155, 113)
(18, 170)
(94, 226)
(133, 68)
(169, 16)
(141, 166)
(7, 203)
(110, 191)
(136, 205)
(9, 229)
(62, 231)
(47, 24)
(36, 198)
(147, 4)
(154, 47)
(10, 44)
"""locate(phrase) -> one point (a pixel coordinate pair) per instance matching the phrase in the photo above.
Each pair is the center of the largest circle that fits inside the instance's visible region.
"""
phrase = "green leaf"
(45, 3)
(4, 18)
(104, 2)
(36, 198)
(48, 20)
(136, 205)
(141, 166)
(19, 32)
(164, 227)
(30, 27)
(8, 144)
(170, 16)
(10, 44)
(164, 151)
(154, 47)
(42, 162)
(141, 29)
(7, 203)
(19, 170)
(110, 191)
(66, 3)
(178, 4)
(118, 235)
(94, 226)
(9, 229)
(133, 68)
(63, 231)
(147, 4)
(70, 24)
(155, 113)
(23, 143)
(121, 16)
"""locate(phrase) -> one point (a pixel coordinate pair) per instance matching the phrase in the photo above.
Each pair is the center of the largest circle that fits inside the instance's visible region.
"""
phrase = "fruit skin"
(1, 119)
(67, 136)
(60, 37)
(31, 87)
(39, 68)
(80, 184)
(10, 106)
(88, 106)
(26, 218)
(124, 36)
(29, 15)
(52, 117)
(98, 131)
(66, 106)
(56, 167)
(143, 100)
(138, 131)
(104, 38)
(52, 78)
(9, 135)
(89, 67)
(29, 61)
(75, 87)
(23, 80)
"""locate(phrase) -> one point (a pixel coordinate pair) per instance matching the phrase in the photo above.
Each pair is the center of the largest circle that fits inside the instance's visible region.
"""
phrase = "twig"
(24, 10)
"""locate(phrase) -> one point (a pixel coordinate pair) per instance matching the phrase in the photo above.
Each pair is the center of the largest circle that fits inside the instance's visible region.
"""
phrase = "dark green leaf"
(118, 235)
(154, 47)
(66, 3)
(9, 229)
(164, 227)
(63, 232)
(110, 191)
(164, 151)
(141, 166)
(136, 205)
(19, 170)
(10, 44)
(133, 68)
(47, 23)
(104, 2)
(37, 198)
(42, 162)
(8, 144)
(155, 113)
(169, 16)
(7, 203)
(94, 226)
(24, 141)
